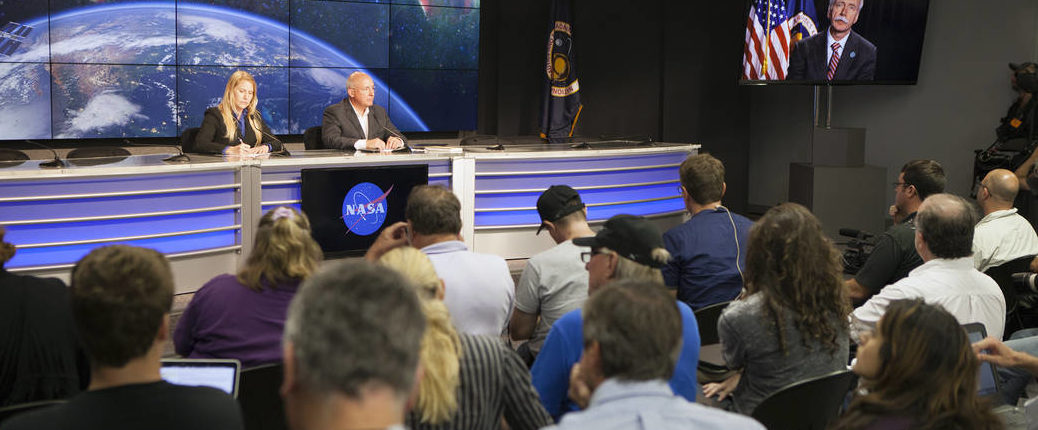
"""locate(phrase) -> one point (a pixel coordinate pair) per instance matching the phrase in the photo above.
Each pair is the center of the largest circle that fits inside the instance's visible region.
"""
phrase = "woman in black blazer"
(235, 127)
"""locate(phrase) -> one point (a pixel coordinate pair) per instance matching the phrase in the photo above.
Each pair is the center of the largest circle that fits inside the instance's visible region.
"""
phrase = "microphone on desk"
(56, 163)
(401, 137)
(283, 152)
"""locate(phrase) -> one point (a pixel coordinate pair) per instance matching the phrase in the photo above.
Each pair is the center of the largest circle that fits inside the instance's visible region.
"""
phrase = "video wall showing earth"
(107, 69)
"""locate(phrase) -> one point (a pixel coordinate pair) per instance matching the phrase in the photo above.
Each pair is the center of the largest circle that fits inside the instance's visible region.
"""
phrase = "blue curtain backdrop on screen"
(86, 69)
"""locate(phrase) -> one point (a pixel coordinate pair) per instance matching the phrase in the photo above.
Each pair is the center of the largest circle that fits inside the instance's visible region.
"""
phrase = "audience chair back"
(312, 138)
(1003, 275)
(187, 139)
(260, 401)
(711, 366)
(810, 404)
(12, 410)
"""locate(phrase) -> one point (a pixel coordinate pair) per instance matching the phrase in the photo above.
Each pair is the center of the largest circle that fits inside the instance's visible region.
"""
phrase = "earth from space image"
(138, 96)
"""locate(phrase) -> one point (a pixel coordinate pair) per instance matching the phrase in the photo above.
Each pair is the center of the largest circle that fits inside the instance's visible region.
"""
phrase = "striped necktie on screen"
(833, 61)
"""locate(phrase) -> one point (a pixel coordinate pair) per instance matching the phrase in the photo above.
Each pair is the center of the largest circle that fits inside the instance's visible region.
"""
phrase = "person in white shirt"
(1002, 235)
(943, 238)
(357, 123)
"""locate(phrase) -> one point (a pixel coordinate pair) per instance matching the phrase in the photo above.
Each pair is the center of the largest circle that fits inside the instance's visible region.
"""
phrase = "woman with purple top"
(243, 316)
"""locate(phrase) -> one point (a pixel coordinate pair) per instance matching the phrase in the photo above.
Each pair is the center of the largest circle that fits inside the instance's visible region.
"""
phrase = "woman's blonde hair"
(441, 346)
(284, 250)
(227, 112)
(630, 269)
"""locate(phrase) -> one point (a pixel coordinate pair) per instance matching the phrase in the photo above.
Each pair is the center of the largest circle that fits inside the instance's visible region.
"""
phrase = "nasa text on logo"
(364, 208)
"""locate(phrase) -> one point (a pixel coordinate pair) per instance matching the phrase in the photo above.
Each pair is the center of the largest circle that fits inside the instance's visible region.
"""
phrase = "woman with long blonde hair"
(469, 382)
(918, 371)
(235, 127)
(243, 316)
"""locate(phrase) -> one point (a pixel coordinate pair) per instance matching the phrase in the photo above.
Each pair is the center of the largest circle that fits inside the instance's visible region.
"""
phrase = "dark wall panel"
(655, 68)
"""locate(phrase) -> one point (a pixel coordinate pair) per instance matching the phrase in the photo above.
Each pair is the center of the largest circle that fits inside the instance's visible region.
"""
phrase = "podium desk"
(203, 214)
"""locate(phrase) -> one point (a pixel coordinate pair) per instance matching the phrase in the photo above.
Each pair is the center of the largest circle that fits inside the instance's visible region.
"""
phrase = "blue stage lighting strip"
(172, 256)
(118, 193)
(123, 216)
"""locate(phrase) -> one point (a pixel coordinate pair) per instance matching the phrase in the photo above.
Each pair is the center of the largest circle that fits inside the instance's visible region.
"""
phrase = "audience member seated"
(467, 382)
(243, 316)
(944, 239)
(40, 355)
(895, 254)
(632, 337)
(627, 247)
(1016, 359)
(480, 291)
(1002, 235)
(554, 282)
(792, 324)
(709, 250)
(121, 297)
(351, 349)
(917, 372)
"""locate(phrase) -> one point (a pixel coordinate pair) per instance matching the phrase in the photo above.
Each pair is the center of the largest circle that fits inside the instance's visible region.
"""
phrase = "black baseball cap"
(556, 202)
(1016, 67)
(633, 237)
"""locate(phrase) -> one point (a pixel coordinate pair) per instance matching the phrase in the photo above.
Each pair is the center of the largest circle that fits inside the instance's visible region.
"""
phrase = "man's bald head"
(1001, 184)
(945, 222)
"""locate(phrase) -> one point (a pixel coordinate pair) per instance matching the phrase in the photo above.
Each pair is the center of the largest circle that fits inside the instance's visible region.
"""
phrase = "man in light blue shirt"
(632, 338)
(478, 288)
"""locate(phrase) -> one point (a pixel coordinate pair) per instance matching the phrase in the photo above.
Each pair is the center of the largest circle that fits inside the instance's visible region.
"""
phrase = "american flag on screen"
(766, 53)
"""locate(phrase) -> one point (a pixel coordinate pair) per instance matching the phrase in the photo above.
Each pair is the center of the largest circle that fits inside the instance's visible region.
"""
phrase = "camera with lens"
(857, 249)
(1026, 290)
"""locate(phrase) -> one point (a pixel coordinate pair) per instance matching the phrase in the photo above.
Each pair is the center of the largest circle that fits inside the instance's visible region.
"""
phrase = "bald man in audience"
(943, 239)
(1002, 235)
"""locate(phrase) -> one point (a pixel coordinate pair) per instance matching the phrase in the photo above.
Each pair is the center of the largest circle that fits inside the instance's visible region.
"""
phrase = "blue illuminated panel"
(109, 206)
(530, 217)
(99, 230)
(167, 245)
(618, 188)
(39, 243)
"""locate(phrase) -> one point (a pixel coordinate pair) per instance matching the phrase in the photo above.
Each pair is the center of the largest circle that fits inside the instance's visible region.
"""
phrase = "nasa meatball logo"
(364, 208)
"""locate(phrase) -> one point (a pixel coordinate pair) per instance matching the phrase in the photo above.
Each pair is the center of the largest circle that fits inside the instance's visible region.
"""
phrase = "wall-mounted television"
(349, 206)
(791, 42)
(75, 69)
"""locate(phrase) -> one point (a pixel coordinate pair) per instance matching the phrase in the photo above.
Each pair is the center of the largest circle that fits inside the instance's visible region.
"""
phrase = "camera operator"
(895, 255)
(1002, 235)
(1019, 123)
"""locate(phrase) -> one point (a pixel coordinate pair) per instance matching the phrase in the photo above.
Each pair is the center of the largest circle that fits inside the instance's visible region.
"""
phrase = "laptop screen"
(221, 374)
(988, 378)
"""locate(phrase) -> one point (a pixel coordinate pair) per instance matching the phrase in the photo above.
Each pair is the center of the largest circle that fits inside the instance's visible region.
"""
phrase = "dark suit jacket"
(212, 136)
(809, 61)
(340, 127)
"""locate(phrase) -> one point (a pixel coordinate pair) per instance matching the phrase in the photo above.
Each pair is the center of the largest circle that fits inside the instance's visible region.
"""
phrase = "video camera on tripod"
(856, 250)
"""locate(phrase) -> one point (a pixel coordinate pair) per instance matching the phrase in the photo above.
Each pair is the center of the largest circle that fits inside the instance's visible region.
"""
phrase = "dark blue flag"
(562, 97)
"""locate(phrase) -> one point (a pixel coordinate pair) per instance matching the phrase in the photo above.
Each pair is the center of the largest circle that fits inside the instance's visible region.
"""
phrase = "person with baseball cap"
(627, 248)
(554, 281)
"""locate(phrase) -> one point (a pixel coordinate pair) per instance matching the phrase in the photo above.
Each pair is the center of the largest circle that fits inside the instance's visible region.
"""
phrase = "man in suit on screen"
(357, 123)
(838, 54)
